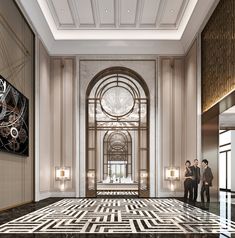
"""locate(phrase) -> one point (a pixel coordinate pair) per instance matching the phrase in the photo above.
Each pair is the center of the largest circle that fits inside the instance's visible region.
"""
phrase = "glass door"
(225, 160)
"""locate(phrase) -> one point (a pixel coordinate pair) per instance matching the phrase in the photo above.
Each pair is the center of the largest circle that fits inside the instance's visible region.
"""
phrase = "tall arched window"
(117, 130)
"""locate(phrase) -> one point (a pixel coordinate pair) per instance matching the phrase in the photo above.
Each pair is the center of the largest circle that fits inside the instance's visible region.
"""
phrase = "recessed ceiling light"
(128, 10)
(172, 10)
(106, 10)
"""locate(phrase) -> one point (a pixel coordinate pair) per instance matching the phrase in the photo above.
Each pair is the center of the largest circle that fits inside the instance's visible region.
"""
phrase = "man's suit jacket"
(207, 176)
(196, 173)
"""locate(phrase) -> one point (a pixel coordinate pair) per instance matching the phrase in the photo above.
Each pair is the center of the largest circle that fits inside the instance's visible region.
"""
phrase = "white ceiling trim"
(119, 34)
(179, 16)
(148, 44)
(59, 24)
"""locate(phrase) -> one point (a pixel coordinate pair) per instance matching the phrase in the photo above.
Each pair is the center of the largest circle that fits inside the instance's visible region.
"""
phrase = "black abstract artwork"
(14, 119)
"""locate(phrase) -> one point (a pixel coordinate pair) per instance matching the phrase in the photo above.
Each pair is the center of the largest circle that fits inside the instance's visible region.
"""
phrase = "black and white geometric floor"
(117, 193)
(119, 216)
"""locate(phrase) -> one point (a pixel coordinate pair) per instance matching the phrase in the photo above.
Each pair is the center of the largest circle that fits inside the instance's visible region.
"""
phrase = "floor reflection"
(113, 236)
(225, 209)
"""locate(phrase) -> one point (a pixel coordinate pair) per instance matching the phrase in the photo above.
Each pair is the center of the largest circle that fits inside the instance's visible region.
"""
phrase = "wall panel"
(17, 66)
(178, 114)
(210, 148)
(190, 121)
(45, 119)
(62, 103)
(172, 117)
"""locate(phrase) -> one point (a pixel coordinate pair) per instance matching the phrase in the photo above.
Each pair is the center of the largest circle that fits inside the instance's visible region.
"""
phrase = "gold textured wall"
(218, 54)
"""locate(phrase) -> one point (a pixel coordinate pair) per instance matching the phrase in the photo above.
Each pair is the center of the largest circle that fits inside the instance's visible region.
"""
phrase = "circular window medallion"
(117, 101)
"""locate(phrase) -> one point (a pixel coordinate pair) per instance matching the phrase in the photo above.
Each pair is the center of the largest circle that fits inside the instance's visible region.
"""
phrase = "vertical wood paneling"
(166, 120)
(174, 94)
(62, 97)
(68, 114)
(57, 114)
(44, 119)
(191, 104)
(178, 111)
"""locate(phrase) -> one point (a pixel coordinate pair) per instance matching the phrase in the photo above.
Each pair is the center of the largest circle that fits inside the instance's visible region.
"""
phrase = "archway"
(117, 144)
(117, 157)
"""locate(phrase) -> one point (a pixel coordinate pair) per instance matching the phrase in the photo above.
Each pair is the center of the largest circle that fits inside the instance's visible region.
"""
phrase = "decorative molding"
(56, 18)
(151, 41)
(162, 10)
(37, 122)
(95, 6)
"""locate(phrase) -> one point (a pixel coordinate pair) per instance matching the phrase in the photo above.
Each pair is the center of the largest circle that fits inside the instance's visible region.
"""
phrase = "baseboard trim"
(63, 194)
(44, 195)
(170, 194)
(15, 205)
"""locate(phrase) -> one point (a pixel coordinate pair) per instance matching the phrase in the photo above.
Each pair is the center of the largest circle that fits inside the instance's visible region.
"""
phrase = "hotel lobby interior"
(106, 107)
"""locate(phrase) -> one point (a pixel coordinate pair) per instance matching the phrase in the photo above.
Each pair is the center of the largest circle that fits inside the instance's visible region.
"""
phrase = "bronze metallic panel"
(218, 55)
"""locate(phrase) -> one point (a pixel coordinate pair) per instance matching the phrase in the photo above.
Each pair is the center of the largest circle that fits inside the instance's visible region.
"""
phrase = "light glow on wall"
(172, 174)
(63, 173)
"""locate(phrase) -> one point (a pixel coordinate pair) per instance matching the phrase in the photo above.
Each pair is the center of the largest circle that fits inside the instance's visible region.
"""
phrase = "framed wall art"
(14, 120)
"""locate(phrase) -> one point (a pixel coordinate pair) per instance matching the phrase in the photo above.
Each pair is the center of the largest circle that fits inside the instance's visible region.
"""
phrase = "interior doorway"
(117, 143)
(226, 148)
(225, 160)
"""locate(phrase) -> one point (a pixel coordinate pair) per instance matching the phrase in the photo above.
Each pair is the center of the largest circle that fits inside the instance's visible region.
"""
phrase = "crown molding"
(147, 45)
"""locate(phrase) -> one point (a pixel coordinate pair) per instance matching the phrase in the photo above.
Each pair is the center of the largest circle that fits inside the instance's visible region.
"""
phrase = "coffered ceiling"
(117, 19)
(117, 14)
(120, 23)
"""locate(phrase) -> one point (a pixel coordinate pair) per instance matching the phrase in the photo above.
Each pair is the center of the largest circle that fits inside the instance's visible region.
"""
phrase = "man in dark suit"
(195, 178)
(207, 178)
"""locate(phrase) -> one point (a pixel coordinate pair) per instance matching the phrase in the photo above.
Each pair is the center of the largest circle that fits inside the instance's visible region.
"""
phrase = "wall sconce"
(143, 180)
(62, 174)
(91, 180)
(172, 173)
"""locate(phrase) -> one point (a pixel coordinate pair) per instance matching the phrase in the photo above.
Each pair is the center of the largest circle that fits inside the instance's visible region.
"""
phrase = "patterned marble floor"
(161, 216)
(117, 193)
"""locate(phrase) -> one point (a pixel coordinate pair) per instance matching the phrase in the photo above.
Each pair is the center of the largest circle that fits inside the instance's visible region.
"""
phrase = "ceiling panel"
(128, 11)
(118, 14)
(106, 12)
(62, 12)
(227, 120)
(84, 12)
(149, 12)
(171, 12)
